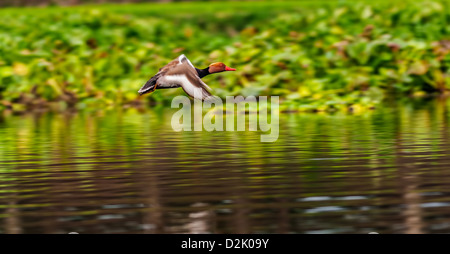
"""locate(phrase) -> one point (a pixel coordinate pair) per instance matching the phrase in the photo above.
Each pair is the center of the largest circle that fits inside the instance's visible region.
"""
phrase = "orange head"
(219, 67)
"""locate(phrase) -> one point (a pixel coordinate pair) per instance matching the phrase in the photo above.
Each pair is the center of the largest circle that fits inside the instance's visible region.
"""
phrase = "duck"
(180, 72)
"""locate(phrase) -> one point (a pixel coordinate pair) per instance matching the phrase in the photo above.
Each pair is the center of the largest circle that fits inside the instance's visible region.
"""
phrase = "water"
(127, 171)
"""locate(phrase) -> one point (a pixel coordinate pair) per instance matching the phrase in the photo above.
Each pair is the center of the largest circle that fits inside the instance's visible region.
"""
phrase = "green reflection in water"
(128, 171)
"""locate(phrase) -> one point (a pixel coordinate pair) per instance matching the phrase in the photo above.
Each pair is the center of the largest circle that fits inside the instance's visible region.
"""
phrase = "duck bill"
(229, 69)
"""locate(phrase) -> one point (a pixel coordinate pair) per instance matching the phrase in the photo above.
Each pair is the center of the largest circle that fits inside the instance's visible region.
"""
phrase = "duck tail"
(148, 87)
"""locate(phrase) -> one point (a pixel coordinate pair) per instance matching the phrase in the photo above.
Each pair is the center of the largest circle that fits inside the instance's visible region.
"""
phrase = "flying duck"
(181, 73)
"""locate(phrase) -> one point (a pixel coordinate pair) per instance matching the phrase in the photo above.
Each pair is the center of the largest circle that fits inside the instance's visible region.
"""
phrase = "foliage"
(315, 56)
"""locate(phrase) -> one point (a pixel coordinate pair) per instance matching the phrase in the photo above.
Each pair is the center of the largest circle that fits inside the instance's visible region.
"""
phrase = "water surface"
(127, 171)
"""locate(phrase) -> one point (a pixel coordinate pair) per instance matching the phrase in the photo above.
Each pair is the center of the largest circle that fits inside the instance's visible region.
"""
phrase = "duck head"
(219, 67)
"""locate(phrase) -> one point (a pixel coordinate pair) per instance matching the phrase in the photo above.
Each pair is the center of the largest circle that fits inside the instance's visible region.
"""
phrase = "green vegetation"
(315, 55)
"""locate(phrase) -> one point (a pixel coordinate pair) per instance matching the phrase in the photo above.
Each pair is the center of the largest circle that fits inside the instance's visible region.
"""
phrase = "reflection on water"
(128, 172)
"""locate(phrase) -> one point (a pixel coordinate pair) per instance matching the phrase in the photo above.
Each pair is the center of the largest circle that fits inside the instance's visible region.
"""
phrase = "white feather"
(182, 57)
(145, 90)
(188, 87)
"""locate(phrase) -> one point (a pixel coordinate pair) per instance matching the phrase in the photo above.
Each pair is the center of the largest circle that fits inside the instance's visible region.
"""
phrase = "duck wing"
(185, 75)
(150, 84)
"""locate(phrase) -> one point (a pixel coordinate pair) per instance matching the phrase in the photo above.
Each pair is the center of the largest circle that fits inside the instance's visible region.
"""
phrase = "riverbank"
(317, 56)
